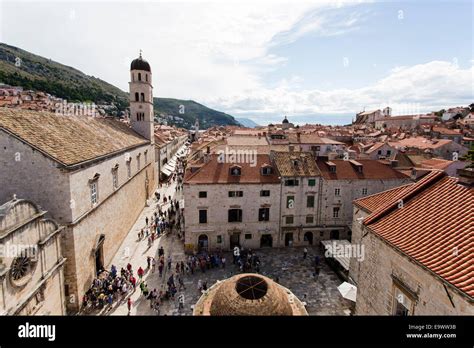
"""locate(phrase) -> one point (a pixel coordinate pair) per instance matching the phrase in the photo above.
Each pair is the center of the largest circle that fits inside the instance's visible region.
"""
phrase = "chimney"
(298, 136)
(466, 176)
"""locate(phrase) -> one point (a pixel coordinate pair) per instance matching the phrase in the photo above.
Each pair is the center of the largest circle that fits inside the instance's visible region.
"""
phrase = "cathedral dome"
(285, 120)
(140, 64)
(248, 294)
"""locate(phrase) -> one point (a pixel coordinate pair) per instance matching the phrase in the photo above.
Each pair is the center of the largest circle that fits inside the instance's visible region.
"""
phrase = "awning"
(166, 170)
(340, 250)
(348, 291)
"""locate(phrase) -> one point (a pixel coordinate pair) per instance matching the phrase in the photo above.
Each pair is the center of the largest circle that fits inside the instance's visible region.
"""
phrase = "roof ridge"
(405, 195)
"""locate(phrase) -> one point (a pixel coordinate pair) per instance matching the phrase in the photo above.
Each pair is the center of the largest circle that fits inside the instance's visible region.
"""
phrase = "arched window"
(136, 96)
(143, 97)
(146, 77)
(139, 76)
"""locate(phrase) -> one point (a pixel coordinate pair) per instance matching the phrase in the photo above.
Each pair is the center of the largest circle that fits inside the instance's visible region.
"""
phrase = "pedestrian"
(160, 269)
(148, 262)
(305, 253)
(153, 265)
(129, 305)
(199, 285)
(146, 220)
(169, 262)
(140, 273)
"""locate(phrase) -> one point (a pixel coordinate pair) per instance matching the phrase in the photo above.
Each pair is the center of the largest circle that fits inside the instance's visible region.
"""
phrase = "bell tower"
(141, 98)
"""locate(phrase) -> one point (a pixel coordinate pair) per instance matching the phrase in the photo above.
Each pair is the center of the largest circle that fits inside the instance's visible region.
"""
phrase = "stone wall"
(383, 268)
(31, 175)
(41, 290)
(218, 203)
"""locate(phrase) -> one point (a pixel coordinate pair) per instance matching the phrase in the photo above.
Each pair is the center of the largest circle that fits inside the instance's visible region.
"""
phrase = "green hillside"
(21, 68)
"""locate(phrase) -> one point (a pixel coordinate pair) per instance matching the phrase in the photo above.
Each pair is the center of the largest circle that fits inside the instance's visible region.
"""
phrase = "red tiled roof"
(371, 169)
(434, 226)
(215, 172)
(372, 202)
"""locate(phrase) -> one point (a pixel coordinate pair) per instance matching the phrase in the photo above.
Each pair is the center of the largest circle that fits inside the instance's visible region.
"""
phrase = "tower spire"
(140, 53)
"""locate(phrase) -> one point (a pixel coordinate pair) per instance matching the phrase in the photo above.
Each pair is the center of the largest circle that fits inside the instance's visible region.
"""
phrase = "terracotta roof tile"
(69, 139)
(215, 172)
(435, 226)
(305, 163)
(371, 169)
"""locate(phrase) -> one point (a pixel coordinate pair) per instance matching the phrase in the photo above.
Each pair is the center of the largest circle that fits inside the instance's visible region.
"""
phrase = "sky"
(315, 61)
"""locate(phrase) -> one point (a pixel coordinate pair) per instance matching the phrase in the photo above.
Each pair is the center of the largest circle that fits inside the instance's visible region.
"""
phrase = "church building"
(93, 175)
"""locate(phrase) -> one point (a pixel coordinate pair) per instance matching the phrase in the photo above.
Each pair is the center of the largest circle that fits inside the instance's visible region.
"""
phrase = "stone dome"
(285, 120)
(248, 294)
(140, 64)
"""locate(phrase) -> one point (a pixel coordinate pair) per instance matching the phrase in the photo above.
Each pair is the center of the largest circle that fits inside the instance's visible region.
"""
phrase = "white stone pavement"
(136, 252)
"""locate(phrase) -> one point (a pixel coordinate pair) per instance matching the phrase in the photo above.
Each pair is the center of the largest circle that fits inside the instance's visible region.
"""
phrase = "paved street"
(285, 265)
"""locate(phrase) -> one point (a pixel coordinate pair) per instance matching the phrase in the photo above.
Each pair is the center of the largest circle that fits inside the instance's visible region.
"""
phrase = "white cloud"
(420, 88)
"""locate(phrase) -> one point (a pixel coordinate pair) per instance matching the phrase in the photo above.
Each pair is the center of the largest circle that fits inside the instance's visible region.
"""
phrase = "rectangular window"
(138, 162)
(146, 157)
(364, 191)
(337, 192)
(202, 194)
(291, 182)
(236, 193)
(402, 303)
(389, 152)
(267, 170)
(219, 239)
(289, 220)
(129, 169)
(309, 219)
(115, 178)
(265, 193)
(203, 216)
(335, 212)
(235, 215)
(290, 202)
(310, 202)
(248, 236)
(264, 214)
(311, 182)
(315, 148)
(94, 192)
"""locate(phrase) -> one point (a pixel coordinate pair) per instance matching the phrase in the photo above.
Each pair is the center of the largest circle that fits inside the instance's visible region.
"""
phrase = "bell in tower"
(141, 98)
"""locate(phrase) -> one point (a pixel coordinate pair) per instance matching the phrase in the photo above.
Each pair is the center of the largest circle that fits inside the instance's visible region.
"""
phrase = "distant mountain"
(247, 122)
(21, 68)
(185, 112)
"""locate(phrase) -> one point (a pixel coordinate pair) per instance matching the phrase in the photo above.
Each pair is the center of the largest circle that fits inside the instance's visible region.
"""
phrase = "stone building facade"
(404, 231)
(93, 175)
(223, 209)
(31, 263)
(300, 198)
(343, 182)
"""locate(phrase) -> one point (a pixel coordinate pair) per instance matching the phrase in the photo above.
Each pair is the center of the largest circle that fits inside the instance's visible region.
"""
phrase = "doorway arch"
(308, 237)
(334, 234)
(203, 242)
(266, 241)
